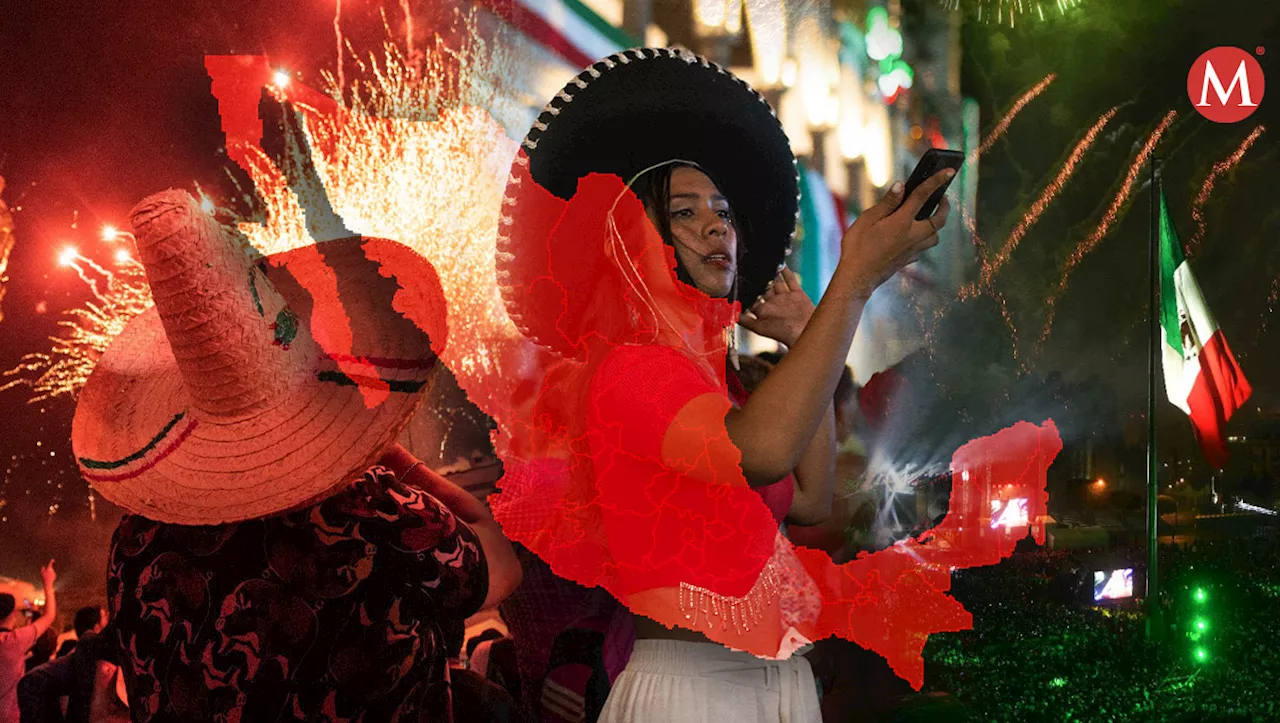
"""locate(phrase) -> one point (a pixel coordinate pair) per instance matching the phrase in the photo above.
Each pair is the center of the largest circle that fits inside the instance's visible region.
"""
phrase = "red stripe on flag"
(1220, 390)
(531, 24)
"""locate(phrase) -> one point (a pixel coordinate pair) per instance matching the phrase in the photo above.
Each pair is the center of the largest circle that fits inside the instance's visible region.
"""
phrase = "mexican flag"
(1200, 374)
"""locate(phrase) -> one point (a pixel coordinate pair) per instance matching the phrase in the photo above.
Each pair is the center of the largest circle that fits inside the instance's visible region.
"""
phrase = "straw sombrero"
(624, 114)
(254, 388)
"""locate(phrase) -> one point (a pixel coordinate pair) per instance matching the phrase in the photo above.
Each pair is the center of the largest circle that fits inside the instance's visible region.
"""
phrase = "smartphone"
(933, 160)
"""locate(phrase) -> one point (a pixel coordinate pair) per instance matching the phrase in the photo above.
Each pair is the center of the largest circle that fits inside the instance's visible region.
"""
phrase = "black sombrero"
(639, 108)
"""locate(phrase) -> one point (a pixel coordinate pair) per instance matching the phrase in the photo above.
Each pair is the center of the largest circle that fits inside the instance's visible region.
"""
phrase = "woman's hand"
(781, 312)
(883, 240)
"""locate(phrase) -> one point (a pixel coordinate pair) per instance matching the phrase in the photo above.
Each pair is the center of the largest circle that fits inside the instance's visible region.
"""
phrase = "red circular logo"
(1225, 84)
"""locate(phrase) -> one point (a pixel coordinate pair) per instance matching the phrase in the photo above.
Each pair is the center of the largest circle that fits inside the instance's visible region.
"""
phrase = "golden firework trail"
(88, 330)
(1219, 168)
(997, 132)
(1007, 12)
(6, 245)
(1047, 196)
(1113, 212)
(408, 155)
(412, 157)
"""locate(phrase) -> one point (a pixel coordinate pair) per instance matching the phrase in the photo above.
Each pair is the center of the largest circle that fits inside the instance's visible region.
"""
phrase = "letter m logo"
(1241, 78)
(1225, 84)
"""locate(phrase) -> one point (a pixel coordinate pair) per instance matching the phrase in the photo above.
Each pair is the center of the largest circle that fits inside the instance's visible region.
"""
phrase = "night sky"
(104, 105)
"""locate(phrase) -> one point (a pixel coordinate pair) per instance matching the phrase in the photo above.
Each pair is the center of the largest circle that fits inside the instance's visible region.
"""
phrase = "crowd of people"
(1036, 654)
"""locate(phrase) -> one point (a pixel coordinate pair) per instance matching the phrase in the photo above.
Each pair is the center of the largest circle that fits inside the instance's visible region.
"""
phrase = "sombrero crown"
(254, 388)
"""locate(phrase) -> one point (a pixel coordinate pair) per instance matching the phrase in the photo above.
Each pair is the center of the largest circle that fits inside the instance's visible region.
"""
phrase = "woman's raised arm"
(775, 426)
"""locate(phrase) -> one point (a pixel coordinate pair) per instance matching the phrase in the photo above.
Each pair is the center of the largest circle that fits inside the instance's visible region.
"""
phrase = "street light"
(818, 77)
(718, 17)
(717, 23)
(767, 22)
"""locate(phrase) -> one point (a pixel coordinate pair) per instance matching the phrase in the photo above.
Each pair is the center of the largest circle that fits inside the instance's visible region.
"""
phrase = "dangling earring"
(731, 333)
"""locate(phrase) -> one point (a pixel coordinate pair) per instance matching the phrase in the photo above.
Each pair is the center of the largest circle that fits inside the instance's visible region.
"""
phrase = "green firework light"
(1009, 12)
(1199, 625)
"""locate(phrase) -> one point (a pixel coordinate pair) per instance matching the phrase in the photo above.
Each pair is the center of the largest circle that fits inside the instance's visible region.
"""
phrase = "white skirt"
(670, 681)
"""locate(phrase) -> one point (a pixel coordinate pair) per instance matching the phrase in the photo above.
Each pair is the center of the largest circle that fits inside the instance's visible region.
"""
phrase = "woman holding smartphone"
(632, 468)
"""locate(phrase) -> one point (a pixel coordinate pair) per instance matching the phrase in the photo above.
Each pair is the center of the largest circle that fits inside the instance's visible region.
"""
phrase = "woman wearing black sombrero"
(653, 192)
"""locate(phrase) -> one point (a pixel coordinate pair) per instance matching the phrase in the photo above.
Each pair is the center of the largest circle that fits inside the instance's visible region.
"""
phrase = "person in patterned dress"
(282, 559)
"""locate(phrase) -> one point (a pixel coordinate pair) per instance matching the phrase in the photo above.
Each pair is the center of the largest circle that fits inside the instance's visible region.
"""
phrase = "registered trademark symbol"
(1260, 50)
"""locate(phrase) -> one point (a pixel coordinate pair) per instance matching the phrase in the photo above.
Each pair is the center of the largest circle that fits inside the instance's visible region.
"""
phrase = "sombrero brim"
(642, 107)
(144, 446)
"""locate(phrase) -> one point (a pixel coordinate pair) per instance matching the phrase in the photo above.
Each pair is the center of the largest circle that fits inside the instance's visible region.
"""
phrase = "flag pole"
(1154, 626)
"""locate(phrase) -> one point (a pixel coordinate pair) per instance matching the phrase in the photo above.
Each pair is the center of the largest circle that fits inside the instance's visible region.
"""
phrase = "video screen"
(1009, 513)
(1112, 584)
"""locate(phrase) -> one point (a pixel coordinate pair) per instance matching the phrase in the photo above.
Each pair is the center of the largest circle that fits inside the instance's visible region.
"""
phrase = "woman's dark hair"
(7, 604)
(653, 188)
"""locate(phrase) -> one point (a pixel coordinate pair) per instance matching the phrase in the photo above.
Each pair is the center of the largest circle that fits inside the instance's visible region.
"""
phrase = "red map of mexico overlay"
(607, 506)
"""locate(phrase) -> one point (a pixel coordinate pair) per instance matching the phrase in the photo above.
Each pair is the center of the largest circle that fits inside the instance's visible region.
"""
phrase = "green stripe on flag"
(602, 26)
(1170, 259)
(809, 239)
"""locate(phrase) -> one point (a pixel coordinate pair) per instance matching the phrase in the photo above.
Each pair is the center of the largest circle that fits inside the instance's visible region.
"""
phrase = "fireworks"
(1090, 243)
(407, 155)
(410, 157)
(1272, 296)
(63, 370)
(6, 243)
(1018, 105)
(1046, 197)
(1008, 12)
(988, 266)
(1219, 168)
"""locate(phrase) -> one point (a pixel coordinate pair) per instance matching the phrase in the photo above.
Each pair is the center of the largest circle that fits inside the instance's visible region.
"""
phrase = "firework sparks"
(1273, 295)
(969, 290)
(1113, 212)
(408, 29)
(1013, 330)
(381, 159)
(1007, 12)
(970, 224)
(1219, 168)
(999, 131)
(6, 243)
(409, 157)
(1050, 192)
(89, 330)
(337, 40)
